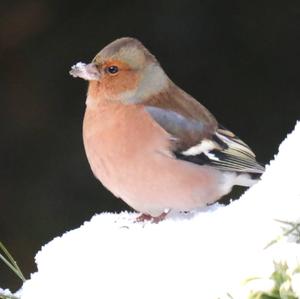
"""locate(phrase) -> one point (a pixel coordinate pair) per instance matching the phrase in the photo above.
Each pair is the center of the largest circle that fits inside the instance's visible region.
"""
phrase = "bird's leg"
(147, 217)
(143, 217)
(159, 218)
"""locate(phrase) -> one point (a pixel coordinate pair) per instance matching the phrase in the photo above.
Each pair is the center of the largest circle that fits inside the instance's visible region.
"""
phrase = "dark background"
(240, 58)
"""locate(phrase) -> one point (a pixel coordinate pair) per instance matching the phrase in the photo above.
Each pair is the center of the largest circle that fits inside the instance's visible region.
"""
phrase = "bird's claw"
(147, 217)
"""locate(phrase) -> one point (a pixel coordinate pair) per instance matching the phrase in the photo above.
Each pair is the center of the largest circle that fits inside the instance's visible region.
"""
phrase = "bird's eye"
(113, 69)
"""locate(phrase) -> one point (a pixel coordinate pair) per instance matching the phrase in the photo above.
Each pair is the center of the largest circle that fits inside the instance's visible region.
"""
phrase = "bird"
(151, 143)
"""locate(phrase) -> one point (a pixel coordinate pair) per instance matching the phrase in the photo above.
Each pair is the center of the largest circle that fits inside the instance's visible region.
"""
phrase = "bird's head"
(123, 71)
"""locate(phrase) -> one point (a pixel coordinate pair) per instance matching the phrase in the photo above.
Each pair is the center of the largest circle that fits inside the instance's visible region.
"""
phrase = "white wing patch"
(205, 146)
(224, 151)
(211, 156)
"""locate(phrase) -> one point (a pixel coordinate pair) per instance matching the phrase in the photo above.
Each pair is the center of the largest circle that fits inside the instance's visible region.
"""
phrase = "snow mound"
(203, 254)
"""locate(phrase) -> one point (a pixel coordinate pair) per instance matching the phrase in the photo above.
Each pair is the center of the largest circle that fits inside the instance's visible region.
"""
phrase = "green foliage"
(7, 258)
(4, 296)
(282, 277)
(10, 262)
(290, 229)
(284, 282)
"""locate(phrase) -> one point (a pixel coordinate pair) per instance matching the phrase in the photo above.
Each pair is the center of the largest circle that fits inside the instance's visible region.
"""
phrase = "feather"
(227, 153)
(186, 132)
(191, 142)
(195, 134)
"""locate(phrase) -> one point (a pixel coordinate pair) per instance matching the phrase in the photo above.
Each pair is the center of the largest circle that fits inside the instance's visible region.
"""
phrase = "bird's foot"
(147, 217)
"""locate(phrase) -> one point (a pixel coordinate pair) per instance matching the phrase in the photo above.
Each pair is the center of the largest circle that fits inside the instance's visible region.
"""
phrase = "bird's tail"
(247, 179)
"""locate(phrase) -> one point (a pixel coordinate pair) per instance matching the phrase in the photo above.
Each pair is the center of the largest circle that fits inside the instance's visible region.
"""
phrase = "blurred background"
(241, 59)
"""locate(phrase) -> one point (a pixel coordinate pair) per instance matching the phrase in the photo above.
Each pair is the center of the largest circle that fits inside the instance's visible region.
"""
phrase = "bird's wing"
(194, 141)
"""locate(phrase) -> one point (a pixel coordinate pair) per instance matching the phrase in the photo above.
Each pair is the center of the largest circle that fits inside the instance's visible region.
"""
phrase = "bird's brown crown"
(128, 50)
(128, 72)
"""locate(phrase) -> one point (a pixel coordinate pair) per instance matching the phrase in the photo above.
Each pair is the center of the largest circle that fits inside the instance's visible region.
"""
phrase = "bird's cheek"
(125, 83)
(95, 90)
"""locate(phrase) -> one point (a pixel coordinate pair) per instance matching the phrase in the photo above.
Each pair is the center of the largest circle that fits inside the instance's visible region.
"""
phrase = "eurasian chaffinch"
(152, 144)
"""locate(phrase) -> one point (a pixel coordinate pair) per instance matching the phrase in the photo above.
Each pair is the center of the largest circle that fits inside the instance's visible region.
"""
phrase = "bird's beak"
(85, 71)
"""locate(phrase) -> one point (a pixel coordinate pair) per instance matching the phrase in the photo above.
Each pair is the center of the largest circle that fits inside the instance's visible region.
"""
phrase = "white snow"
(204, 254)
(5, 292)
(84, 71)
